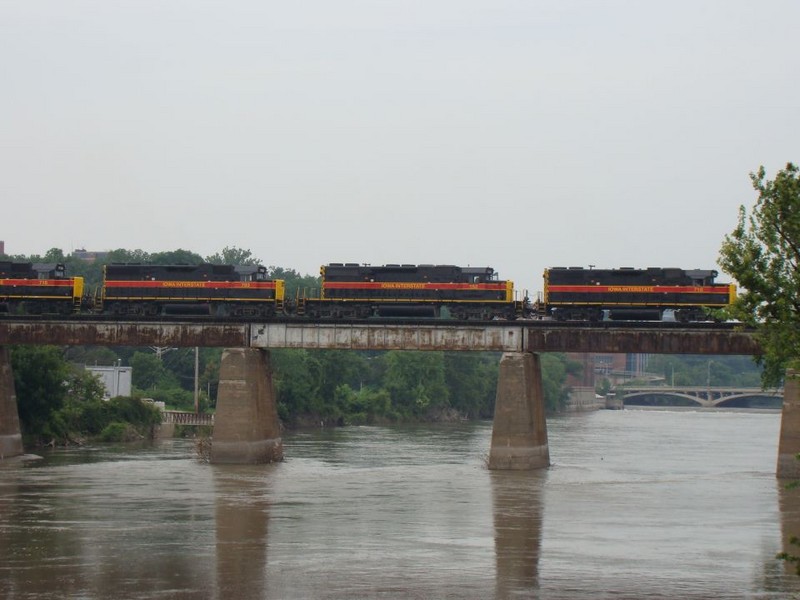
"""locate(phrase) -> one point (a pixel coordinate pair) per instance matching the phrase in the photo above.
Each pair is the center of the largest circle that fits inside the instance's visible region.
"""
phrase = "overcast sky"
(514, 134)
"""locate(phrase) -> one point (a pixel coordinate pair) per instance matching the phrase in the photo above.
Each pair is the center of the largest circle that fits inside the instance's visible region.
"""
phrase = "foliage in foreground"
(763, 255)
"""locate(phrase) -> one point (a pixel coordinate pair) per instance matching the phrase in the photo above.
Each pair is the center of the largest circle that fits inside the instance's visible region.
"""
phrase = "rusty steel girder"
(99, 333)
(645, 341)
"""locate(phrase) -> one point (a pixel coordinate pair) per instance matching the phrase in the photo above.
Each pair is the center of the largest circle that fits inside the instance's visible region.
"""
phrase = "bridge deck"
(496, 336)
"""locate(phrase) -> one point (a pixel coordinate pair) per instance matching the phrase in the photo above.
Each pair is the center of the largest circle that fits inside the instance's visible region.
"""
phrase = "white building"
(116, 380)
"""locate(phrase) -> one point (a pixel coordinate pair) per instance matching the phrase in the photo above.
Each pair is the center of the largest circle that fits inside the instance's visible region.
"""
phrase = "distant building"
(88, 256)
(2, 247)
(116, 380)
(617, 368)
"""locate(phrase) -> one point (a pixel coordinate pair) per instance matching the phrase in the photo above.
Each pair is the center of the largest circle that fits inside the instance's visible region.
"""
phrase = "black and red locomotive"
(402, 290)
(359, 291)
(221, 291)
(35, 289)
(579, 294)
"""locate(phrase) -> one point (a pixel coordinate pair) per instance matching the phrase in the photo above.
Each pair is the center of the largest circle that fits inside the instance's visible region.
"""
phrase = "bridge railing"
(175, 417)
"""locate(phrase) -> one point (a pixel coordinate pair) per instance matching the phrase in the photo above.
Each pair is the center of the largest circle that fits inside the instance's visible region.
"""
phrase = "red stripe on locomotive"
(403, 285)
(646, 289)
(209, 285)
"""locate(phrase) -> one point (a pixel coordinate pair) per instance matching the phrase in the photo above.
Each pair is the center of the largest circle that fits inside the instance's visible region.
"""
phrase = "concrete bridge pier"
(10, 436)
(789, 442)
(246, 427)
(519, 432)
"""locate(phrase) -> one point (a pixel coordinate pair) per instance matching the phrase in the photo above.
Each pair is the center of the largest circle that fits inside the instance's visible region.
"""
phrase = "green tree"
(365, 406)
(472, 382)
(555, 368)
(339, 367)
(298, 376)
(40, 375)
(121, 255)
(54, 255)
(83, 398)
(416, 382)
(307, 285)
(176, 257)
(233, 256)
(763, 255)
(91, 355)
(149, 372)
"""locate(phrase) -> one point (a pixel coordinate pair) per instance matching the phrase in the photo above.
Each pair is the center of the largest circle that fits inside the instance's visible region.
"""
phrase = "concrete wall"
(583, 399)
(10, 436)
(246, 426)
(519, 432)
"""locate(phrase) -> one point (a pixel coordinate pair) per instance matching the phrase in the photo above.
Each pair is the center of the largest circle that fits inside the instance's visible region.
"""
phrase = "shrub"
(119, 432)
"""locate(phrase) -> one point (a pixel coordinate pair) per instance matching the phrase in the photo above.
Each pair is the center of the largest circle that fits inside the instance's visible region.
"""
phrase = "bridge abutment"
(789, 442)
(246, 427)
(10, 435)
(519, 431)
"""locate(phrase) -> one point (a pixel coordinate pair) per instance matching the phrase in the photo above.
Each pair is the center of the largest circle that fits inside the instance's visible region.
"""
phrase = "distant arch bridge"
(707, 397)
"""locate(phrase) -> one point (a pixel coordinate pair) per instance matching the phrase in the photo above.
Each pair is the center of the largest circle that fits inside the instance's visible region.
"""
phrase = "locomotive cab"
(479, 274)
(702, 277)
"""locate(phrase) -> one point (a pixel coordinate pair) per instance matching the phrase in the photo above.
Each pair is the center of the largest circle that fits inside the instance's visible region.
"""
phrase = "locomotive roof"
(410, 266)
(690, 272)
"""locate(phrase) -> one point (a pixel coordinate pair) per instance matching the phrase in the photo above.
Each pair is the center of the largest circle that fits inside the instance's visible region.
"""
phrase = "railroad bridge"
(246, 427)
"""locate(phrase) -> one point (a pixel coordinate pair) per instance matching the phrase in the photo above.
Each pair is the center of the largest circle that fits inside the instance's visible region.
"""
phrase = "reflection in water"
(242, 514)
(517, 507)
(108, 528)
(639, 504)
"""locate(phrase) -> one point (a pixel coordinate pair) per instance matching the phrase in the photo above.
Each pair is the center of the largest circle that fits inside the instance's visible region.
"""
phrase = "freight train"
(356, 291)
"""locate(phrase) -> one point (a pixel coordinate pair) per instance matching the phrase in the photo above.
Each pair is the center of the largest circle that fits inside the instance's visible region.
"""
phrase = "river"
(637, 504)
